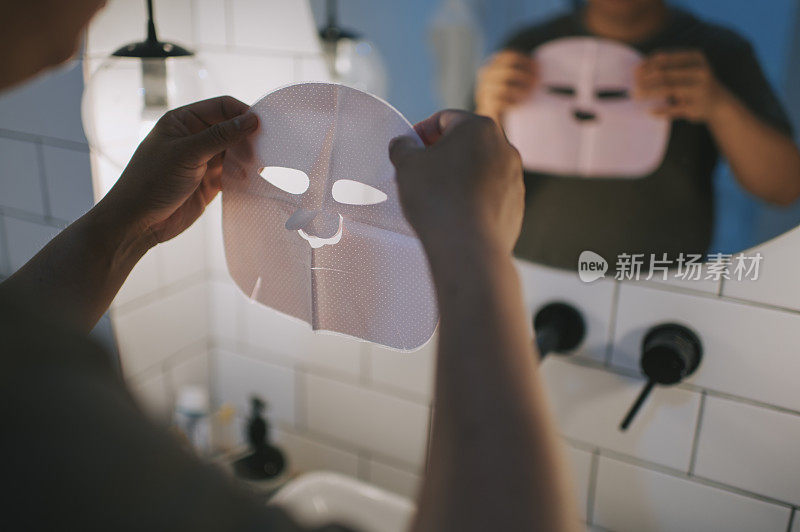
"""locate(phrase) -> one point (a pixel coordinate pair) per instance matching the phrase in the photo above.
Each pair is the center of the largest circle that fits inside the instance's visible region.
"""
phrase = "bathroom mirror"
(637, 154)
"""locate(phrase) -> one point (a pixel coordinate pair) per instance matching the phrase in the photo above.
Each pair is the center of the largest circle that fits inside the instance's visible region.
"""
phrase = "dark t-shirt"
(79, 455)
(669, 211)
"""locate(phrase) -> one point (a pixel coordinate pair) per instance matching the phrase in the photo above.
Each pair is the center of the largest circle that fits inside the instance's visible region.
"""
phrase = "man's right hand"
(504, 81)
(464, 190)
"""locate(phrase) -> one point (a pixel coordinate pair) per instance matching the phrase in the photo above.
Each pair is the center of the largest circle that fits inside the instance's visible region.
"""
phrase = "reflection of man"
(719, 101)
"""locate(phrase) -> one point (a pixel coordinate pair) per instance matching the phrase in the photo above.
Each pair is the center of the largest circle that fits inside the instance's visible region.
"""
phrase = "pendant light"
(133, 88)
(351, 59)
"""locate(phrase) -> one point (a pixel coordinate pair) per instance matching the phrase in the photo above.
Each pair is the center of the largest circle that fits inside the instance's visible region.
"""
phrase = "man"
(719, 102)
(81, 456)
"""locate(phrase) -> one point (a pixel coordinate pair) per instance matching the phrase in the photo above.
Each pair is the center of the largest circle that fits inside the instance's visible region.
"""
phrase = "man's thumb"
(400, 148)
(222, 135)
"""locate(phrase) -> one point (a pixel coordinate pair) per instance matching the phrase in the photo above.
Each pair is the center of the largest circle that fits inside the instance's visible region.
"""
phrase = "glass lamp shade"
(126, 96)
(357, 63)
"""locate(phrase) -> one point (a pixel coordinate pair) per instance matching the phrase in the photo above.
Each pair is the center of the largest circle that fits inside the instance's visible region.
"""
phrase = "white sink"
(321, 498)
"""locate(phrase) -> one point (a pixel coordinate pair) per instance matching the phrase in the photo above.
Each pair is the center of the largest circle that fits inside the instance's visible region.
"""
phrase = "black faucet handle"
(670, 353)
(559, 328)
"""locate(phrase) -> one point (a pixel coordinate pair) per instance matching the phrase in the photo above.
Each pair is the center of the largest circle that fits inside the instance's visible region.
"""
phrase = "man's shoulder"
(713, 37)
(529, 37)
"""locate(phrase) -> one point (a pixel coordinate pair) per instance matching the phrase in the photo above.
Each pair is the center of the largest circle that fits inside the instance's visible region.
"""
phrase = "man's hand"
(176, 170)
(504, 81)
(465, 187)
(685, 81)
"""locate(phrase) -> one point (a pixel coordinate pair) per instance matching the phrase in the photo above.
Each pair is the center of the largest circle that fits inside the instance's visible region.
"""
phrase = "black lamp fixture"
(133, 88)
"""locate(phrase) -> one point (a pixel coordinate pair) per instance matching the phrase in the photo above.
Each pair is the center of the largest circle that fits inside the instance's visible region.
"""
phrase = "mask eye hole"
(561, 90)
(352, 192)
(612, 94)
(289, 180)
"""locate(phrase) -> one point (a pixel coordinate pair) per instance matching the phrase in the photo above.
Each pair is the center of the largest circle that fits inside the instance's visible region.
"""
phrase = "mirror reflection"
(648, 129)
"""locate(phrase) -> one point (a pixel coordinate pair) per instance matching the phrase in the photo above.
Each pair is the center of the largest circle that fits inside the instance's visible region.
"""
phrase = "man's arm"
(766, 161)
(495, 459)
(173, 175)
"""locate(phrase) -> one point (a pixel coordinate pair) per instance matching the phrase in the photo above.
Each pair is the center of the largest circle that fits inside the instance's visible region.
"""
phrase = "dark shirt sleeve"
(739, 70)
(79, 455)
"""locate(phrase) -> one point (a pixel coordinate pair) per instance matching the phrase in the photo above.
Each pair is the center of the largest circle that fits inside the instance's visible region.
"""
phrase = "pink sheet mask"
(312, 223)
(581, 118)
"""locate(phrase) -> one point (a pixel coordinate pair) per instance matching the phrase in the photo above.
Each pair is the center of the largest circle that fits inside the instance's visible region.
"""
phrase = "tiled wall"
(719, 452)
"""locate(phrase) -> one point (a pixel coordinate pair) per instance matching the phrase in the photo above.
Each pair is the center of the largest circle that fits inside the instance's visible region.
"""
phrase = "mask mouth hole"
(352, 192)
(289, 180)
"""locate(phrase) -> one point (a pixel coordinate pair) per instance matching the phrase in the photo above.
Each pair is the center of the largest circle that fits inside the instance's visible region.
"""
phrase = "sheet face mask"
(581, 119)
(312, 222)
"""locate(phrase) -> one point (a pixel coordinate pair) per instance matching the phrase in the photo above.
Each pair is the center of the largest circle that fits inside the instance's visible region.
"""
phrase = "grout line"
(45, 190)
(301, 405)
(139, 302)
(363, 467)
(44, 139)
(630, 373)
(5, 258)
(34, 217)
(792, 517)
(612, 322)
(229, 41)
(677, 473)
(591, 492)
(696, 439)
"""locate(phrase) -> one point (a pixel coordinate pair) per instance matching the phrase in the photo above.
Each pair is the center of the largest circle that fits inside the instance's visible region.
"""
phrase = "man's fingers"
(401, 148)
(438, 124)
(206, 144)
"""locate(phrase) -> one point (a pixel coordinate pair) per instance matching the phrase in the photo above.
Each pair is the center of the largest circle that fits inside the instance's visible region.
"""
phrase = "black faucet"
(670, 353)
(559, 328)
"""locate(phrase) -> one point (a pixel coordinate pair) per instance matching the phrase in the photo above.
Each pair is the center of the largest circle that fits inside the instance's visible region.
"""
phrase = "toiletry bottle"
(265, 464)
(192, 417)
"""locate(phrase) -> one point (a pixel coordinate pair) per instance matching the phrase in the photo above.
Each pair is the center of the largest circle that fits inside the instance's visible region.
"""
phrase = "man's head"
(625, 9)
(38, 34)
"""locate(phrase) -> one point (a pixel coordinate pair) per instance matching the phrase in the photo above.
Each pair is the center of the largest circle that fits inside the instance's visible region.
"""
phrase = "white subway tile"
(394, 479)
(236, 379)
(143, 279)
(306, 454)
(227, 310)
(580, 462)
(192, 370)
(184, 255)
(20, 183)
(589, 405)
(750, 447)
(409, 372)
(273, 333)
(367, 419)
(153, 396)
(748, 351)
(334, 353)
(50, 105)
(796, 522)
(69, 182)
(215, 246)
(209, 20)
(312, 68)
(25, 239)
(776, 273)
(542, 285)
(285, 25)
(125, 21)
(631, 498)
(706, 283)
(248, 77)
(150, 334)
